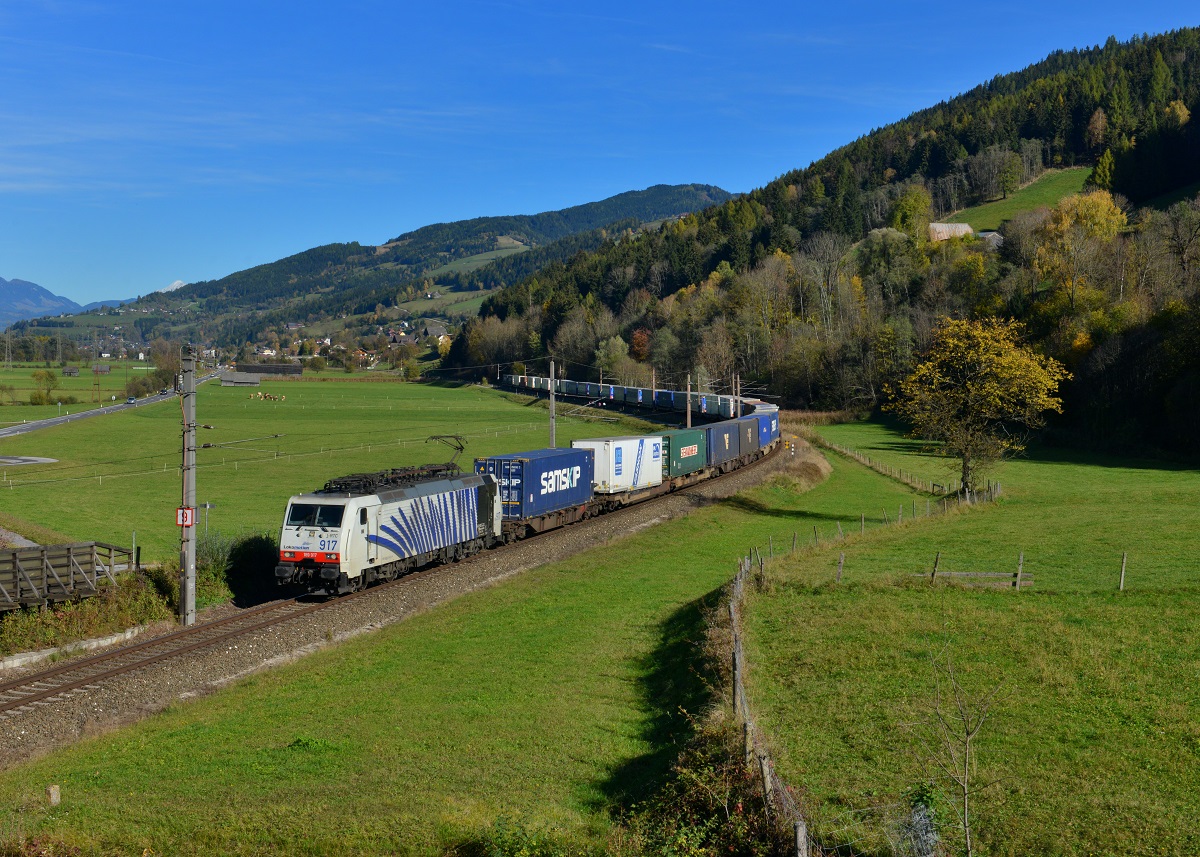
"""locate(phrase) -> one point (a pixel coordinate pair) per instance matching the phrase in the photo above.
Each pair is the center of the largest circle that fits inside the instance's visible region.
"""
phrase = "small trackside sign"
(185, 516)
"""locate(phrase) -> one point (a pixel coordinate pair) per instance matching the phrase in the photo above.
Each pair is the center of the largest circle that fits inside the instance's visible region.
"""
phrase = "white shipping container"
(624, 463)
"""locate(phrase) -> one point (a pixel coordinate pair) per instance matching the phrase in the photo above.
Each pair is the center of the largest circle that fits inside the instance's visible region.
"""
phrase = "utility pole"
(653, 387)
(737, 395)
(689, 403)
(187, 515)
(552, 426)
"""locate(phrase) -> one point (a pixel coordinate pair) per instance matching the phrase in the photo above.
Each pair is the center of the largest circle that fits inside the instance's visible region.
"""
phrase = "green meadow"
(15, 407)
(1094, 745)
(560, 697)
(118, 474)
(1047, 190)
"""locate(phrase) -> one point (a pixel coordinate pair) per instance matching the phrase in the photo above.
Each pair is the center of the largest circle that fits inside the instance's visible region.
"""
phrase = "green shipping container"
(684, 451)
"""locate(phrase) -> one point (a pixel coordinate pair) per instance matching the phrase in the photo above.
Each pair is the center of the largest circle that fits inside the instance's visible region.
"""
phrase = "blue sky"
(147, 142)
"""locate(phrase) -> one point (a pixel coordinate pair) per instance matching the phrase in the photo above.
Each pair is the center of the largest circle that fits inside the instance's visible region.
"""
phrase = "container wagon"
(685, 451)
(541, 489)
(723, 447)
(624, 464)
(748, 438)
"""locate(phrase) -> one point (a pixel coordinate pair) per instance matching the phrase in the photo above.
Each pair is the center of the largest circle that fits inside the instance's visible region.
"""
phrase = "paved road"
(34, 425)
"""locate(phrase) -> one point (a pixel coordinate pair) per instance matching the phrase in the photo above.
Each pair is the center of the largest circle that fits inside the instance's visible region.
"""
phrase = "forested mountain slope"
(823, 284)
(351, 278)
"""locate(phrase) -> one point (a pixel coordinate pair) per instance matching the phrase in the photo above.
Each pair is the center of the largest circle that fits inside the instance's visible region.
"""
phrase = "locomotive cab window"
(362, 516)
(314, 515)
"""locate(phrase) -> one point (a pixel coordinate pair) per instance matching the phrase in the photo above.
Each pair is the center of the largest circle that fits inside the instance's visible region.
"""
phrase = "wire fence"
(954, 488)
(883, 828)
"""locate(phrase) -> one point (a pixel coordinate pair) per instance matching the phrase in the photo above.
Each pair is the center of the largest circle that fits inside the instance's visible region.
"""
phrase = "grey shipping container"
(748, 435)
(540, 481)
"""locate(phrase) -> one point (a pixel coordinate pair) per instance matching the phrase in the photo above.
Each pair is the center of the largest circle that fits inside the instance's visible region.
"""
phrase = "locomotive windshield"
(314, 515)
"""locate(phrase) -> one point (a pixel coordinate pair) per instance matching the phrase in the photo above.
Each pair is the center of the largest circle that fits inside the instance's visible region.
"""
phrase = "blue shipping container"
(540, 481)
(723, 445)
(765, 433)
(663, 398)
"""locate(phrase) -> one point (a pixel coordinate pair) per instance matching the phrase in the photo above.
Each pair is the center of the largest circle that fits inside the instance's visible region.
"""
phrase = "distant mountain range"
(21, 299)
(336, 281)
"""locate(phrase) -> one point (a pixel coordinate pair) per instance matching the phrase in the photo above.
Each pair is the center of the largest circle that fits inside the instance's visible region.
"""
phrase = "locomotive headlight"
(289, 554)
(331, 557)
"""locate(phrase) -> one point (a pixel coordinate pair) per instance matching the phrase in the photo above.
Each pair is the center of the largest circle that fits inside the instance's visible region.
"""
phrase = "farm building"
(240, 379)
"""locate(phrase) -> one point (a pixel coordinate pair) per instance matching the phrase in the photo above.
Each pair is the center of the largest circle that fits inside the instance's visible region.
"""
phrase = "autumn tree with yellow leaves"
(1071, 236)
(977, 392)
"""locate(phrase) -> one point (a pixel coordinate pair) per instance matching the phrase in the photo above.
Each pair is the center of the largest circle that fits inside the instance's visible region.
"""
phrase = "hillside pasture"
(1046, 191)
(1093, 747)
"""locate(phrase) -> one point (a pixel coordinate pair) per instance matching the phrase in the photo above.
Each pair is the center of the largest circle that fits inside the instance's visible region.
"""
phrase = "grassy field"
(119, 473)
(1046, 190)
(470, 263)
(554, 697)
(83, 389)
(1094, 746)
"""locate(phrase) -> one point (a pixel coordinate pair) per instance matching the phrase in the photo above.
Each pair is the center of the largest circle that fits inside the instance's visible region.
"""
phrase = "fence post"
(841, 560)
(801, 830)
(1121, 587)
(768, 791)
(1020, 568)
(937, 559)
(737, 683)
(900, 514)
(841, 535)
(748, 740)
(793, 541)
(816, 541)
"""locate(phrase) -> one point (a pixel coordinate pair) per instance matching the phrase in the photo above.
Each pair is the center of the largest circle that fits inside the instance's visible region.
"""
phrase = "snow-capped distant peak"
(178, 284)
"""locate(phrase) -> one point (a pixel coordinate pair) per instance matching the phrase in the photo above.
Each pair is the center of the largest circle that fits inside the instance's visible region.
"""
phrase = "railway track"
(57, 682)
(22, 694)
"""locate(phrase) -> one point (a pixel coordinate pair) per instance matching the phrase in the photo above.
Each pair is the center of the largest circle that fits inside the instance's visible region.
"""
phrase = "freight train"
(370, 527)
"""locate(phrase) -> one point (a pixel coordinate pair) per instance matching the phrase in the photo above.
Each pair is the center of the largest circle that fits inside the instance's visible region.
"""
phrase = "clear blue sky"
(147, 142)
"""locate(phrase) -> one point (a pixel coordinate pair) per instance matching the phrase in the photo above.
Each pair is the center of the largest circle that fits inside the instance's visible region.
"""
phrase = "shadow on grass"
(673, 686)
(798, 516)
(250, 572)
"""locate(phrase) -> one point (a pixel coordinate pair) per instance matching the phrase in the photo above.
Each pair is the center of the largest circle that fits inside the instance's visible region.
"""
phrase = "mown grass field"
(118, 473)
(554, 697)
(1094, 747)
(1046, 190)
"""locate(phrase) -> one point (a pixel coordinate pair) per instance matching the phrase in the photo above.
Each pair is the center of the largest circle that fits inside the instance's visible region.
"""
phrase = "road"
(34, 425)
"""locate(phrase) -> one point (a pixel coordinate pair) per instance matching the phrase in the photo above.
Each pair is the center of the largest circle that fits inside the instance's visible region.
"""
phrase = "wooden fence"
(38, 576)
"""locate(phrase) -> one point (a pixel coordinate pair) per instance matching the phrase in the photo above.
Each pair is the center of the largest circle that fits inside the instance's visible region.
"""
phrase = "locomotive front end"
(312, 543)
